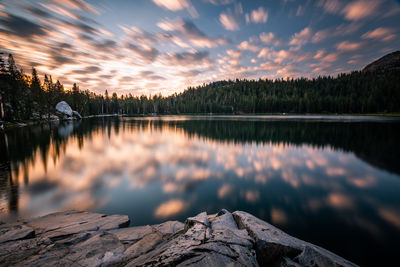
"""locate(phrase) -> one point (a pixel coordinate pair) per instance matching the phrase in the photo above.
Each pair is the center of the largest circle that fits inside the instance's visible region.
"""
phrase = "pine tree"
(37, 93)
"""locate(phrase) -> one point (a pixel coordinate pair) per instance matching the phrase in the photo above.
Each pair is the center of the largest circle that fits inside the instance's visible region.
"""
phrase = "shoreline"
(6, 125)
(92, 239)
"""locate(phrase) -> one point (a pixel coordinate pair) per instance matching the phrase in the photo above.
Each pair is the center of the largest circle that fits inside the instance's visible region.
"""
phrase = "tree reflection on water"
(321, 181)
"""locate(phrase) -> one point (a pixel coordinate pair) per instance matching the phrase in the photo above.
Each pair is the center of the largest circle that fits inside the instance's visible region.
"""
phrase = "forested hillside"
(26, 97)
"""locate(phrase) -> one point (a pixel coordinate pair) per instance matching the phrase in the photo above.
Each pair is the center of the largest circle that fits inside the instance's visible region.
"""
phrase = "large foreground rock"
(91, 239)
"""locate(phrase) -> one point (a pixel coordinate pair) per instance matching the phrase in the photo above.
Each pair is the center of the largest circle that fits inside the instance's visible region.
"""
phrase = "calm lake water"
(332, 181)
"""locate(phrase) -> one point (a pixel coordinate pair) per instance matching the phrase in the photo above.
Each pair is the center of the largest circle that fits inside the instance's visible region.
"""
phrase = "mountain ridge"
(388, 62)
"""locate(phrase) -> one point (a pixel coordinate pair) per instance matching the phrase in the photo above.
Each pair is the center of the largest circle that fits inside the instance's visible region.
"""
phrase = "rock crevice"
(91, 239)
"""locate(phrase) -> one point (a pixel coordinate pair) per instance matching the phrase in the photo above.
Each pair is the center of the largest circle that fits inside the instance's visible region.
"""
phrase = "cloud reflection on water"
(156, 171)
(295, 175)
(136, 157)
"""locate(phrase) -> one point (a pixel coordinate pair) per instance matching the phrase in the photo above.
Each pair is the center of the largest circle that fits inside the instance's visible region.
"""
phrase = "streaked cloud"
(18, 26)
(166, 40)
(191, 32)
(75, 4)
(176, 5)
(245, 45)
(231, 19)
(381, 33)
(331, 6)
(259, 15)
(360, 9)
(270, 38)
(348, 46)
(301, 38)
(188, 58)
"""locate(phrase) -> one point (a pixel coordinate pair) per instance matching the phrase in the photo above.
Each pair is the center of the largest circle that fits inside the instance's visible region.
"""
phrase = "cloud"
(320, 53)
(360, 9)
(300, 11)
(245, 45)
(139, 35)
(270, 38)
(301, 38)
(150, 75)
(230, 20)
(259, 15)
(37, 12)
(190, 73)
(188, 58)
(234, 53)
(348, 46)
(280, 56)
(193, 34)
(384, 34)
(75, 27)
(21, 27)
(59, 59)
(145, 52)
(75, 4)
(341, 30)
(352, 10)
(220, 2)
(60, 11)
(265, 53)
(330, 6)
(332, 57)
(87, 70)
(176, 5)
(104, 45)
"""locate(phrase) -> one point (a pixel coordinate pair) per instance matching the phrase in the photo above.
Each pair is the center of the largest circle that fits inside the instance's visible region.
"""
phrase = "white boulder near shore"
(82, 238)
(63, 108)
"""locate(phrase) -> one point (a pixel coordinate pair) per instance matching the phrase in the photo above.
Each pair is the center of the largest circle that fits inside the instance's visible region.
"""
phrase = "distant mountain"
(386, 63)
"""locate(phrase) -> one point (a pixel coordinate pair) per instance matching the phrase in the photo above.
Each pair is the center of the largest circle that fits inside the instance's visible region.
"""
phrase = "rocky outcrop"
(91, 239)
(64, 108)
(66, 111)
(76, 114)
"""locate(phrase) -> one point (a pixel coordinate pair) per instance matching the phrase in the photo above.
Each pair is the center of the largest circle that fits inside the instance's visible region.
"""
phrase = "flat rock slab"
(92, 239)
(13, 232)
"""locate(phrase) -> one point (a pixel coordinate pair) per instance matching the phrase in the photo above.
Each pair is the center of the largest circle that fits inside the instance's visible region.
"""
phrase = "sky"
(164, 46)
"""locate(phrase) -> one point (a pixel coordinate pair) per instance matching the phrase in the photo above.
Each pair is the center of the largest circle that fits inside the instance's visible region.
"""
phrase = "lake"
(330, 180)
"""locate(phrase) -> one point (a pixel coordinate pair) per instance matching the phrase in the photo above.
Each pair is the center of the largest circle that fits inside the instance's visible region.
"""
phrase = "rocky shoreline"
(92, 239)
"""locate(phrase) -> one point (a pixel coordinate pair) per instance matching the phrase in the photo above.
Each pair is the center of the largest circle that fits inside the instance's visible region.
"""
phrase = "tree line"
(26, 97)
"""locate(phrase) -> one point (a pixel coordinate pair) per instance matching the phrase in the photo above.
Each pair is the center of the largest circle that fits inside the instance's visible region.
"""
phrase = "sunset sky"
(163, 46)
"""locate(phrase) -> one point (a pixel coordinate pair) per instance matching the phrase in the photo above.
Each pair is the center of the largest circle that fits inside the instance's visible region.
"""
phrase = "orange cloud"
(384, 34)
(176, 5)
(270, 38)
(245, 45)
(348, 46)
(230, 19)
(259, 15)
(76, 4)
(301, 38)
(361, 9)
